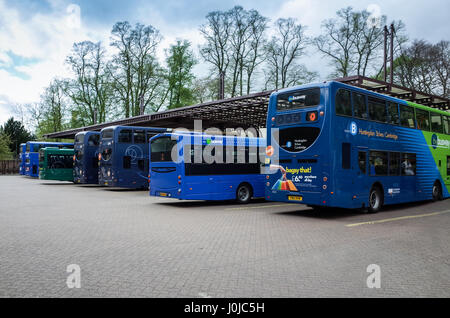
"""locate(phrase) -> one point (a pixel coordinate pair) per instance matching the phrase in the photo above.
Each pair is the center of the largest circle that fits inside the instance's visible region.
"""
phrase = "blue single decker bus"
(335, 145)
(32, 155)
(85, 168)
(23, 150)
(123, 156)
(193, 166)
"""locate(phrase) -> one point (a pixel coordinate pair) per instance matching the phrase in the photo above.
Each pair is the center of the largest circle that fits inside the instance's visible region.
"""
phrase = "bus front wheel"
(375, 200)
(244, 193)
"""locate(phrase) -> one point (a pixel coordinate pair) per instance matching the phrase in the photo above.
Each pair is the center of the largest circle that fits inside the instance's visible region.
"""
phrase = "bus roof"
(362, 90)
(49, 143)
(57, 150)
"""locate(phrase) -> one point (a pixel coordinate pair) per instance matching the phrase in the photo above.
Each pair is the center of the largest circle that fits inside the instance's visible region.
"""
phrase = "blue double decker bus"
(85, 165)
(23, 150)
(123, 156)
(335, 145)
(193, 166)
(32, 155)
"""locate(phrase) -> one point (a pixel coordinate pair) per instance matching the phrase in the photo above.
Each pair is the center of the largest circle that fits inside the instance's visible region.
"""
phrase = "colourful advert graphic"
(283, 184)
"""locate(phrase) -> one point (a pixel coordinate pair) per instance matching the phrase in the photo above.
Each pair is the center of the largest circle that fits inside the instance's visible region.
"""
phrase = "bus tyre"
(375, 200)
(244, 193)
(437, 191)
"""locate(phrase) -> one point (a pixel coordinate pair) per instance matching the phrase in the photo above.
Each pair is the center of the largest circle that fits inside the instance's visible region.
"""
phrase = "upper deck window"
(436, 123)
(300, 99)
(125, 136)
(359, 105)
(446, 125)
(393, 116)
(93, 140)
(139, 136)
(377, 109)
(423, 119)
(107, 134)
(407, 116)
(343, 103)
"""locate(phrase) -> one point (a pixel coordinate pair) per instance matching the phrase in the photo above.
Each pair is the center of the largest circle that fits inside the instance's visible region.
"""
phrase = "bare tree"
(234, 46)
(90, 90)
(135, 70)
(283, 53)
(425, 67)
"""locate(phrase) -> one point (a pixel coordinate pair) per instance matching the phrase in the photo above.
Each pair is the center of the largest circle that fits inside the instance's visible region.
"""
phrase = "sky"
(37, 35)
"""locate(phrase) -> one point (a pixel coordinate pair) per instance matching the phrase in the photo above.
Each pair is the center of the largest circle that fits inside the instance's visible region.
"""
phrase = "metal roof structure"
(247, 111)
(243, 111)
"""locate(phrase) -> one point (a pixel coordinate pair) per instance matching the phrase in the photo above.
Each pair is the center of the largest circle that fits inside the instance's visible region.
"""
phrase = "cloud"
(45, 39)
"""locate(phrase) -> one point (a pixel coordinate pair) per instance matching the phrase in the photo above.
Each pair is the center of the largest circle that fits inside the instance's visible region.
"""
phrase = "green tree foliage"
(5, 151)
(14, 133)
(180, 61)
(137, 77)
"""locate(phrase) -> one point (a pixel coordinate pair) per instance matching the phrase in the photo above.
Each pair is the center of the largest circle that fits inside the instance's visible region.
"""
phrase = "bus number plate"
(295, 198)
(163, 194)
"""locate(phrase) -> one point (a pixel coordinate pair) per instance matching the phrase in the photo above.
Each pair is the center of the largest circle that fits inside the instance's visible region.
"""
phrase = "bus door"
(165, 172)
(359, 168)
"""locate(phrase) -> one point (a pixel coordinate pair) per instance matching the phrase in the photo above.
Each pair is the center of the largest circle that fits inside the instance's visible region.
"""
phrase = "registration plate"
(163, 194)
(295, 198)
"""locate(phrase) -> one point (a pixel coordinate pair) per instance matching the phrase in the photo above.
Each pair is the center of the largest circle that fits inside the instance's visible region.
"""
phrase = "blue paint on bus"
(123, 154)
(190, 176)
(85, 168)
(23, 150)
(321, 158)
(32, 155)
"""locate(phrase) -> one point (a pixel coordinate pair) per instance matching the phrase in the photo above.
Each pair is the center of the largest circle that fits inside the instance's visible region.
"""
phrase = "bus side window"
(448, 165)
(377, 109)
(378, 162)
(407, 116)
(343, 103)
(126, 162)
(393, 117)
(359, 106)
(346, 155)
(125, 136)
(423, 119)
(446, 125)
(436, 123)
(362, 159)
(408, 164)
(139, 136)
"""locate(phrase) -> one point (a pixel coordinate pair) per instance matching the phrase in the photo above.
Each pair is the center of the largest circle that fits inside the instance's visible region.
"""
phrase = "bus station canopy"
(246, 111)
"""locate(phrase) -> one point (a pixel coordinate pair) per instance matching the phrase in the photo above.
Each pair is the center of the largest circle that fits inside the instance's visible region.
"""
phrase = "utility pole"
(222, 85)
(386, 32)
(391, 54)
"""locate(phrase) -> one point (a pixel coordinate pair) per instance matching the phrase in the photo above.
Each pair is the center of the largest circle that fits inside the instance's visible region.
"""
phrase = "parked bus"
(23, 149)
(336, 145)
(203, 167)
(85, 170)
(56, 164)
(32, 155)
(123, 156)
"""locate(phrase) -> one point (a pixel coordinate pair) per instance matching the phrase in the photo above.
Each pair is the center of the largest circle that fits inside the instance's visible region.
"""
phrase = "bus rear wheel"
(375, 200)
(244, 193)
(437, 191)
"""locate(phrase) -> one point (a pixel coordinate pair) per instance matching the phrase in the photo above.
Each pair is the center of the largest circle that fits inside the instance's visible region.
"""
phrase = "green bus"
(56, 164)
